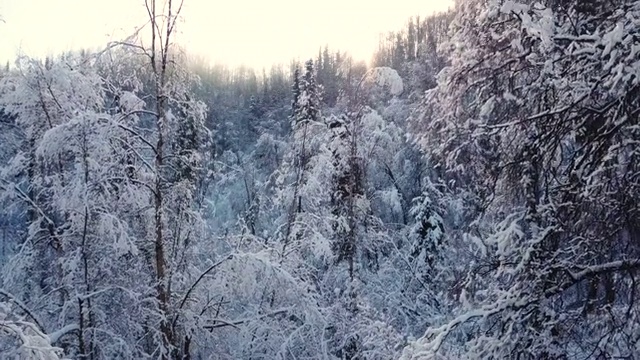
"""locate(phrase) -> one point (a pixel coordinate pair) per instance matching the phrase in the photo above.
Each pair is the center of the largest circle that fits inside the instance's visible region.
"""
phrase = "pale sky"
(252, 32)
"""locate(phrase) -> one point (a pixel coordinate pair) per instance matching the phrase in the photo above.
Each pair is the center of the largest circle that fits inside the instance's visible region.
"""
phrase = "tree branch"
(193, 286)
(23, 307)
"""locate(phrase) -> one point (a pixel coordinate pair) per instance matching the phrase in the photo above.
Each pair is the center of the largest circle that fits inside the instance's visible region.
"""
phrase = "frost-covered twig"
(235, 323)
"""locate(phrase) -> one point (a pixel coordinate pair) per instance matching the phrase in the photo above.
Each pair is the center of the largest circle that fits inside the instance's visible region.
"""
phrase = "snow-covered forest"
(470, 194)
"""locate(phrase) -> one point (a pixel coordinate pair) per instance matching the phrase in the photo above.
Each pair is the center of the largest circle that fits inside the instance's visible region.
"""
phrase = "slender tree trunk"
(296, 202)
(160, 257)
(84, 306)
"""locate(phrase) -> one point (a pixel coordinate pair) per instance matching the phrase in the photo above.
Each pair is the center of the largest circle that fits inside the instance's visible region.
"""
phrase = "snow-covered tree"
(531, 125)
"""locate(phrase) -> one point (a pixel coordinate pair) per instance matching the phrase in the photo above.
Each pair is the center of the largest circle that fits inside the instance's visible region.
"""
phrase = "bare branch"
(193, 286)
(218, 323)
(138, 136)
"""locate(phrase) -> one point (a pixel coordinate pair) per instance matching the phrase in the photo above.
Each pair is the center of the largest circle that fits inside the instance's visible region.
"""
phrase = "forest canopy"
(470, 194)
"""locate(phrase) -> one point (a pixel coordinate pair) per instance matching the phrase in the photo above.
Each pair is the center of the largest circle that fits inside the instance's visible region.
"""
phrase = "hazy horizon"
(246, 32)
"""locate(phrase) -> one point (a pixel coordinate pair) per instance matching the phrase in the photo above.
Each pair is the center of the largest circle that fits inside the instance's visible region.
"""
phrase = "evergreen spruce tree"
(426, 236)
(411, 40)
(309, 100)
(295, 88)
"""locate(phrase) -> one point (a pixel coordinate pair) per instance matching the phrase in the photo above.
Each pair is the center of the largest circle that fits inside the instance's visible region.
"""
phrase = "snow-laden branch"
(26, 198)
(34, 344)
(58, 334)
(486, 311)
(510, 302)
(589, 271)
(23, 307)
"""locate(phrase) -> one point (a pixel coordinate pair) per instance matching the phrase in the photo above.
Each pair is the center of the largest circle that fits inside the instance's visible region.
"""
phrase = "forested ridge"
(471, 194)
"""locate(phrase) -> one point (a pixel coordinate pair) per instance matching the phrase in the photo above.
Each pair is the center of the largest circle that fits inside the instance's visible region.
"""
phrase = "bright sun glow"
(251, 32)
